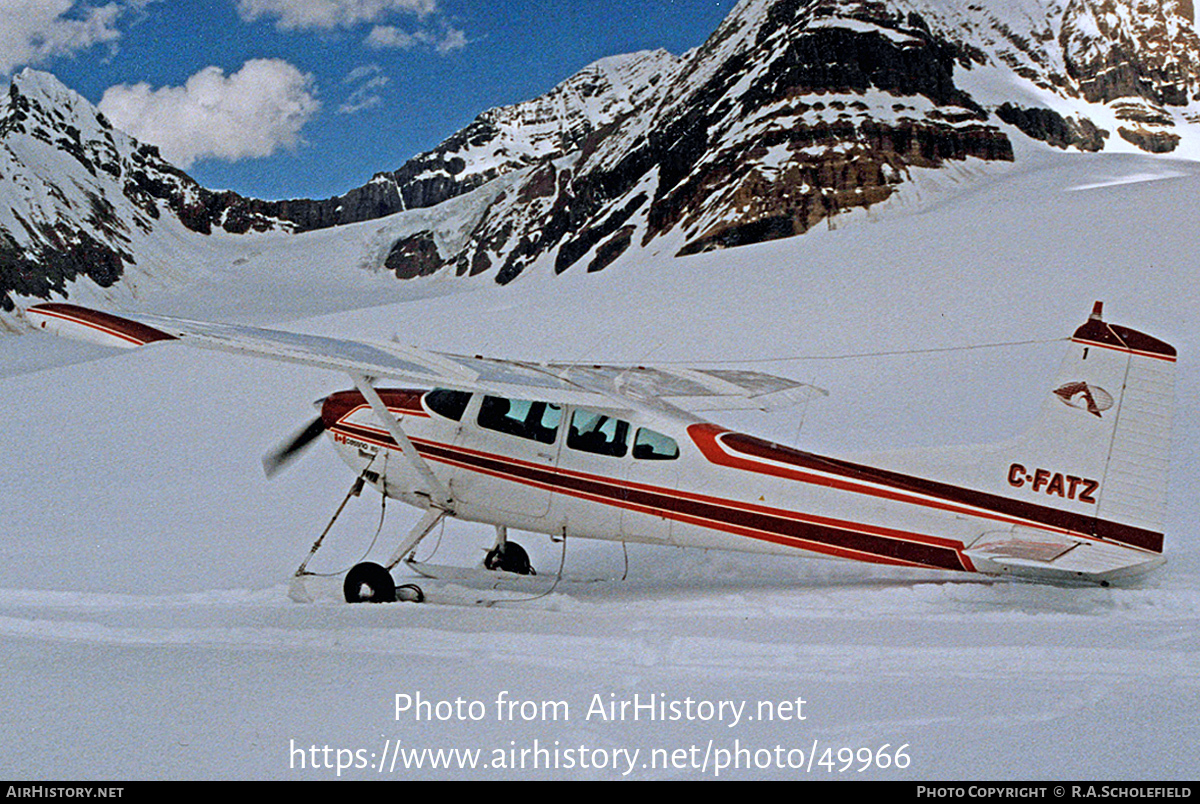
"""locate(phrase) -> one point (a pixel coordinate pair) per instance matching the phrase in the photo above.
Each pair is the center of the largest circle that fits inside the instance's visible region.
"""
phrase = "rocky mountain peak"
(596, 96)
(791, 114)
(42, 93)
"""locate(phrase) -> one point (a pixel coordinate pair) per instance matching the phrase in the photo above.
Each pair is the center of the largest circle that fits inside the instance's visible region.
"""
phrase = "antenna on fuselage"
(804, 412)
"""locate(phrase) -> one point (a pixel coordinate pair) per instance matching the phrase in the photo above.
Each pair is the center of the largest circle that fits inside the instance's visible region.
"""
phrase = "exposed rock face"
(1051, 127)
(838, 117)
(1155, 142)
(1152, 126)
(792, 112)
(1132, 48)
(412, 256)
(59, 258)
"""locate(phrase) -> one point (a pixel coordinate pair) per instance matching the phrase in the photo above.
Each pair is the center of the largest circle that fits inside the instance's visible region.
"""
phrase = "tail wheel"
(509, 557)
(369, 583)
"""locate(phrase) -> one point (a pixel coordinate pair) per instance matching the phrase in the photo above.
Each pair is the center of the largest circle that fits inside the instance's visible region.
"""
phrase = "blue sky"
(309, 98)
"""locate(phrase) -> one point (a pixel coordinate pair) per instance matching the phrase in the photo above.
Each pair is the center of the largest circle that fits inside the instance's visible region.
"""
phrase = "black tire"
(509, 557)
(369, 583)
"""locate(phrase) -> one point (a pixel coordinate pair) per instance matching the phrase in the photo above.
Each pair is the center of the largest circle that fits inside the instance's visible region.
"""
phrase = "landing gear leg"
(508, 556)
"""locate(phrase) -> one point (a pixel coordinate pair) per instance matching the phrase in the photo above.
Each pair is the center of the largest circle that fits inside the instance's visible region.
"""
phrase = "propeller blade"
(277, 459)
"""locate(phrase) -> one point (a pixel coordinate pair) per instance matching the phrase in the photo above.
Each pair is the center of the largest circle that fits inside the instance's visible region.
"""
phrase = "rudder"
(1103, 435)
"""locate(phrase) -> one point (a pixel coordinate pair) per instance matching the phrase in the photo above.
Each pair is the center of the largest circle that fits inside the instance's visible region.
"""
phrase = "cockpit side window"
(599, 434)
(650, 445)
(451, 404)
(537, 421)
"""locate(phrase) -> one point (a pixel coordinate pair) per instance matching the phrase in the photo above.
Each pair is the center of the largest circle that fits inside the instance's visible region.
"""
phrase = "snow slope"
(144, 623)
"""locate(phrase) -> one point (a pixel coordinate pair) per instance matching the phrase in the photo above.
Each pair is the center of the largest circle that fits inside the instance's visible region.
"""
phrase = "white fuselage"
(721, 490)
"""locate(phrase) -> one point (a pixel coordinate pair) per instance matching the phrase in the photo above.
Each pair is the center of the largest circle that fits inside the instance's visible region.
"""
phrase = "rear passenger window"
(537, 421)
(598, 434)
(650, 445)
(451, 404)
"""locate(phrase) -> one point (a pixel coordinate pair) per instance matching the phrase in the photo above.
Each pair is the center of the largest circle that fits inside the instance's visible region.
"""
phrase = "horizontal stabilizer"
(1046, 556)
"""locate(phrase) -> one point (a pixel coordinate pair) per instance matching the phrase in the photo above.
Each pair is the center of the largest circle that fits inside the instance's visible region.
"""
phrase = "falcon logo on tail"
(1091, 398)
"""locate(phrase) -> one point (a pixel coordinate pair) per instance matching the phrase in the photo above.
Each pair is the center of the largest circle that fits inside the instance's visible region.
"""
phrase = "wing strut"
(441, 494)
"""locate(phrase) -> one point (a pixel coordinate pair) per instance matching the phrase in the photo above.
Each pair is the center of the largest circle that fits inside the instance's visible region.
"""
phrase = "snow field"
(144, 622)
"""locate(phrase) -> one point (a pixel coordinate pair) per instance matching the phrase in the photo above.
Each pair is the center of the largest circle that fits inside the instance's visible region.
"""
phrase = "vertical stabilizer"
(1103, 436)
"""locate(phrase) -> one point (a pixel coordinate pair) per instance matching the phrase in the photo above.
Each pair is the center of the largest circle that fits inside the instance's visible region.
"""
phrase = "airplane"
(621, 453)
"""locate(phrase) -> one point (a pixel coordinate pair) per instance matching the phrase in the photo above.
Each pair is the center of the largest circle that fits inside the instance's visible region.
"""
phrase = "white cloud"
(370, 81)
(359, 73)
(251, 113)
(389, 36)
(382, 36)
(328, 14)
(325, 15)
(32, 31)
(451, 39)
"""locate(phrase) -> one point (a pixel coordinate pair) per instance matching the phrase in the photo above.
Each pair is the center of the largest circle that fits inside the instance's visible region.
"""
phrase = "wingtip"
(95, 326)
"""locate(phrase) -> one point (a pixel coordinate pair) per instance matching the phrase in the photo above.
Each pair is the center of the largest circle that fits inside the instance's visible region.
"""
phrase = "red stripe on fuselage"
(401, 402)
(752, 455)
(790, 528)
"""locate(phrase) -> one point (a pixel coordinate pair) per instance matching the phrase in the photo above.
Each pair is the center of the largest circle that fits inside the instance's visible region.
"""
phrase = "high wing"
(651, 391)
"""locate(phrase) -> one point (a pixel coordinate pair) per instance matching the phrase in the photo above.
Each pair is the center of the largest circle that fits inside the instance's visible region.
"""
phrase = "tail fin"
(1104, 433)
(1082, 494)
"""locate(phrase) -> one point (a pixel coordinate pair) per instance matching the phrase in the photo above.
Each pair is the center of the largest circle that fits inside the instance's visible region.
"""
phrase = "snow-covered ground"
(146, 631)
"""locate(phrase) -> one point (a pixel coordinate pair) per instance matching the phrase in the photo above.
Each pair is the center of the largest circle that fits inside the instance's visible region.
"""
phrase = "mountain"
(795, 111)
(792, 113)
(499, 141)
(81, 199)
(78, 198)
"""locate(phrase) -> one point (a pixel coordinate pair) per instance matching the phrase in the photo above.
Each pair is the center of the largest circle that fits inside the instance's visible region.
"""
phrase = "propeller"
(277, 459)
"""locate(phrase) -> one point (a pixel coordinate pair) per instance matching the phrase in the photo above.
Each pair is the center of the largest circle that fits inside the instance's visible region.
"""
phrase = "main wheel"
(369, 583)
(509, 557)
